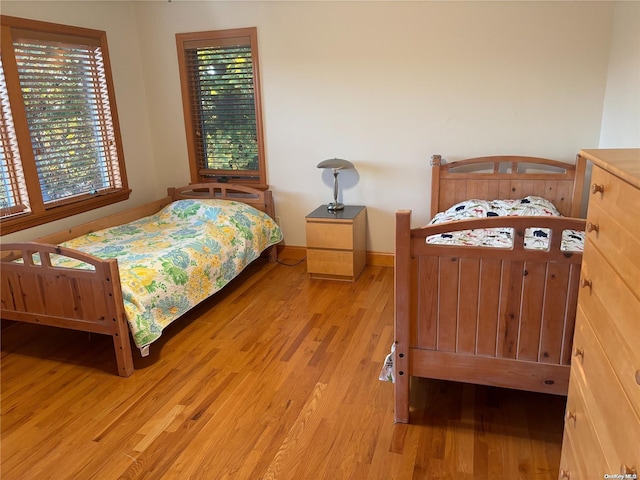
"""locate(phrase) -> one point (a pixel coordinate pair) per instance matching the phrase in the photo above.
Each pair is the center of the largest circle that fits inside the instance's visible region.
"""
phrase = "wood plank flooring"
(276, 377)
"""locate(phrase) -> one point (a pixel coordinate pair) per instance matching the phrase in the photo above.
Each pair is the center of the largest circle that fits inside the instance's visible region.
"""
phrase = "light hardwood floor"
(274, 381)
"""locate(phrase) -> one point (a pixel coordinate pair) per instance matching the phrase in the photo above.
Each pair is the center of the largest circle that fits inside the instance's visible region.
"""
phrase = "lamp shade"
(336, 164)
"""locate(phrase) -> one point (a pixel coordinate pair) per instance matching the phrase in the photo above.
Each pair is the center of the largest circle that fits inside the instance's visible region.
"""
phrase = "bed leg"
(401, 398)
(122, 347)
(273, 254)
(402, 288)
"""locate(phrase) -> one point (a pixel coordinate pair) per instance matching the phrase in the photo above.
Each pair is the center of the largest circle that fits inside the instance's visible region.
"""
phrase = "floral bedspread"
(171, 261)
(535, 238)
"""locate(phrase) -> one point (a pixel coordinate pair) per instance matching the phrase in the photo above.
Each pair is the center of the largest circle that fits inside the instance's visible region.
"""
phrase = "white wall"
(386, 85)
(382, 84)
(621, 118)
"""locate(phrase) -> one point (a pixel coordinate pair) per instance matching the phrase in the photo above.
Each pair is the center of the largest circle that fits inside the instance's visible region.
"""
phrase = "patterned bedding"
(171, 261)
(535, 238)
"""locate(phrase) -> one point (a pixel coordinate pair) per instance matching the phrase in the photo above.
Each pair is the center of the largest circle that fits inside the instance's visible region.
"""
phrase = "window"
(61, 149)
(221, 100)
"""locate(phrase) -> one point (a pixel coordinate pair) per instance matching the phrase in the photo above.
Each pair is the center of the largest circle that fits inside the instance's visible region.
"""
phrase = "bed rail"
(89, 298)
(519, 224)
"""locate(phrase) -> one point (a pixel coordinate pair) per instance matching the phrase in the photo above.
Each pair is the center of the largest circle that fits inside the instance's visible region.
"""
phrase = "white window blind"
(67, 107)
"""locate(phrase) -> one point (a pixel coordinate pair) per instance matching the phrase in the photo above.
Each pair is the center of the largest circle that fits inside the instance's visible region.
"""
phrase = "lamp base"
(333, 206)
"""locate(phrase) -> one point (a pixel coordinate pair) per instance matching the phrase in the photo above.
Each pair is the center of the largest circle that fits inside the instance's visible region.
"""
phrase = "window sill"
(22, 222)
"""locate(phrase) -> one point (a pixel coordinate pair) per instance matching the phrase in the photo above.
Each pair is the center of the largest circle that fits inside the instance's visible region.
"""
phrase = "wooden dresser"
(602, 421)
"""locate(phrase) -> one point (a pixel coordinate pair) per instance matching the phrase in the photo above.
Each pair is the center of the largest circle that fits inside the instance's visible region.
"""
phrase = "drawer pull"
(595, 188)
(628, 470)
(593, 227)
(578, 352)
(585, 283)
(571, 415)
(565, 473)
(638, 377)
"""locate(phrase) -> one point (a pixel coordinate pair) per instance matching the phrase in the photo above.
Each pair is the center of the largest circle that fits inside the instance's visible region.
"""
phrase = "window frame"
(208, 39)
(41, 212)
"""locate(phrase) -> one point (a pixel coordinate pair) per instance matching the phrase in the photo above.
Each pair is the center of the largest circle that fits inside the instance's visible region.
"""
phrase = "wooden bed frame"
(486, 315)
(91, 300)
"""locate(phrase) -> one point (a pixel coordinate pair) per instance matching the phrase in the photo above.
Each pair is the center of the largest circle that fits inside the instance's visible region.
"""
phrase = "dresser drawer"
(618, 244)
(569, 461)
(614, 314)
(589, 457)
(612, 417)
(620, 199)
(330, 235)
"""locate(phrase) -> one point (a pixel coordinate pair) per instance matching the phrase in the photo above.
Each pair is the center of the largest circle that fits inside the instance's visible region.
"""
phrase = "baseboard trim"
(377, 259)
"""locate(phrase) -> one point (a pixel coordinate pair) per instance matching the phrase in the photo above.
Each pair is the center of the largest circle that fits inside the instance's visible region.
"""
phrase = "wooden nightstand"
(336, 242)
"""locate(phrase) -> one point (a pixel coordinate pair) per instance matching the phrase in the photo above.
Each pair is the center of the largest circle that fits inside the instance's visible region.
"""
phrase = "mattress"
(535, 238)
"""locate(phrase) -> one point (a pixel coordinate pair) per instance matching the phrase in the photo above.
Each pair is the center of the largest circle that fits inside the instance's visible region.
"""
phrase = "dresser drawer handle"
(595, 188)
(625, 470)
(638, 377)
(565, 473)
(593, 227)
(578, 352)
(571, 415)
(585, 283)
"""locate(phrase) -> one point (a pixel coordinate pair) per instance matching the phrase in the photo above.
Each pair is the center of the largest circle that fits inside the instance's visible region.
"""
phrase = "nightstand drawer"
(330, 262)
(330, 235)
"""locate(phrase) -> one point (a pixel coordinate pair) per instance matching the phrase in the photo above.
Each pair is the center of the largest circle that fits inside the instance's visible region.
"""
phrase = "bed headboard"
(507, 177)
(260, 199)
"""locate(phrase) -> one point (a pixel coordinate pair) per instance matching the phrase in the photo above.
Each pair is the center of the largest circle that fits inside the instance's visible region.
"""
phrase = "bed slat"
(533, 300)
(488, 309)
(555, 314)
(468, 302)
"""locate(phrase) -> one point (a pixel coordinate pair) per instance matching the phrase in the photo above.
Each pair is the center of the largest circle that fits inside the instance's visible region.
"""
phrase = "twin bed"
(495, 308)
(139, 270)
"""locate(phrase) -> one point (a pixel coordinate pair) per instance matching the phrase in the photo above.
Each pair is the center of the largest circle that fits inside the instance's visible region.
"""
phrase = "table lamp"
(336, 164)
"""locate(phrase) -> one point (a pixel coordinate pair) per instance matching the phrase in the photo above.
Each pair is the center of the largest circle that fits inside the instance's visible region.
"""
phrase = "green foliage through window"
(220, 91)
(223, 87)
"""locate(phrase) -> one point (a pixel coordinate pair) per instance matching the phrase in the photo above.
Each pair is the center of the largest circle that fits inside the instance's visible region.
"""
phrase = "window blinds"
(67, 107)
(223, 109)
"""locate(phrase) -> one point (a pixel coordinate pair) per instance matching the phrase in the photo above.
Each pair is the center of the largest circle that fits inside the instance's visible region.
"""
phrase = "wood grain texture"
(508, 313)
(506, 177)
(602, 427)
(279, 381)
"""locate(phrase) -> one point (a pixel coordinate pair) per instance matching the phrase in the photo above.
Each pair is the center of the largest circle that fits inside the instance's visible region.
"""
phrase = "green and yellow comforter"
(171, 261)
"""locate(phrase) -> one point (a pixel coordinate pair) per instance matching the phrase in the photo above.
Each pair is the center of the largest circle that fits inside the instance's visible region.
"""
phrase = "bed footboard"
(88, 299)
(491, 316)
